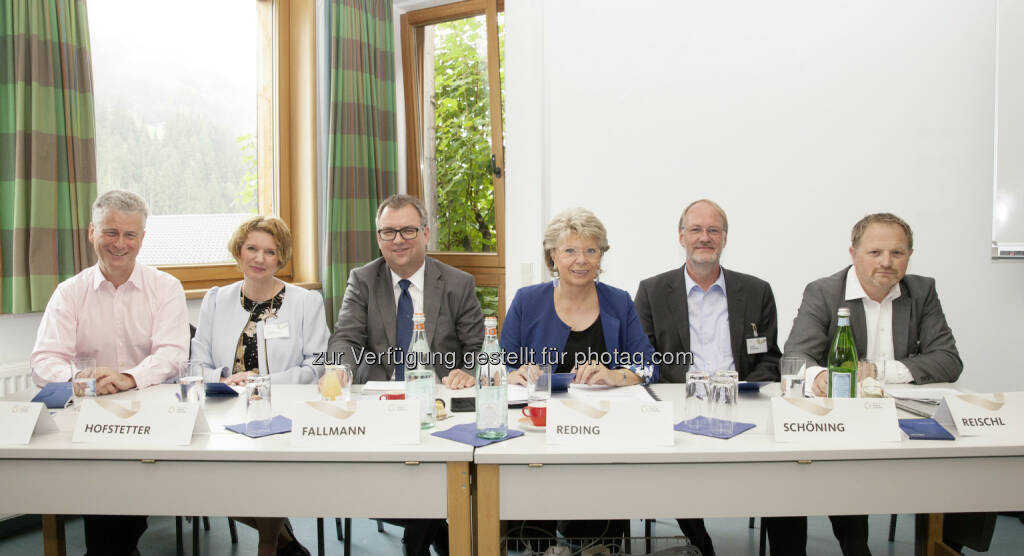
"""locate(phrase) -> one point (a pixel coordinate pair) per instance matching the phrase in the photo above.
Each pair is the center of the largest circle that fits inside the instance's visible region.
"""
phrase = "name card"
(609, 422)
(983, 414)
(811, 419)
(18, 420)
(134, 423)
(360, 422)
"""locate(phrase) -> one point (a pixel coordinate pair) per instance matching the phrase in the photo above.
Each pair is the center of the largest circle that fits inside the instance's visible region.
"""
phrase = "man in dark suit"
(724, 320)
(376, 318)
(895, 317)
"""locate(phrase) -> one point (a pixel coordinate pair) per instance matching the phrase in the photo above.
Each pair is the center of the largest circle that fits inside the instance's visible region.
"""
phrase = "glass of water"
(83, 381)
(871, 375)
(258, 412)
(698, 392)
(190, 380)
(723, 404)
(791, 373)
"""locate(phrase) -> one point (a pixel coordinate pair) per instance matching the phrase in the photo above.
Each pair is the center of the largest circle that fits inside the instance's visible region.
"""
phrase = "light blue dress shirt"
(710, 342)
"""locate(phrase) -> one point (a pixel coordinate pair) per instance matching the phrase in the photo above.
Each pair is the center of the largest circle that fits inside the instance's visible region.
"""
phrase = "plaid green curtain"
(362, 158)
(47, 148)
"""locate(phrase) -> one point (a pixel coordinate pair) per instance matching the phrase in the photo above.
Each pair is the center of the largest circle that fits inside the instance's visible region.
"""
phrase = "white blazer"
(290, 359)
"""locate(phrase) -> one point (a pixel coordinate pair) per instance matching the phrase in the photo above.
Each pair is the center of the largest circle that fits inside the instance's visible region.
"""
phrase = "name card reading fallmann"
(134, 423)
(18, 420)
(609, 423)
(805, 419)
(339, 424)
(998, 414)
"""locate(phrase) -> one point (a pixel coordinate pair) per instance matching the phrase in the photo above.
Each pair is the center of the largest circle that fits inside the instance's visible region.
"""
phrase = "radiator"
(14, 377)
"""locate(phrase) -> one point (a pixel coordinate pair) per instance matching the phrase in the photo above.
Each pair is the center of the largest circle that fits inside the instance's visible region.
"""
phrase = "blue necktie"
(403, 325)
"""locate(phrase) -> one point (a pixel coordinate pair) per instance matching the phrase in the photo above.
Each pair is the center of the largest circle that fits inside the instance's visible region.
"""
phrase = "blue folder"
(55, 395)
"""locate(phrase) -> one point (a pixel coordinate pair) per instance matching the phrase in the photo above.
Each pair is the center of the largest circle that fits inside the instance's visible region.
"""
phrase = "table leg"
(460, 529)
(488, 518)
(53, 535)
(928, 533)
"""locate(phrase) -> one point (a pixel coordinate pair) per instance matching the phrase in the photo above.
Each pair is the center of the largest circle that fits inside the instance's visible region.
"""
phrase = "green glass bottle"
(842, 360)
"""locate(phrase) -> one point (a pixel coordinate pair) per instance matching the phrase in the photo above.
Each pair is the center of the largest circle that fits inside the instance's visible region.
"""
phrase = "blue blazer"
(531, 324)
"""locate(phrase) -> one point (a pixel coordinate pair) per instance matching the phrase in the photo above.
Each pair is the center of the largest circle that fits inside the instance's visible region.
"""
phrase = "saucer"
(525, 424)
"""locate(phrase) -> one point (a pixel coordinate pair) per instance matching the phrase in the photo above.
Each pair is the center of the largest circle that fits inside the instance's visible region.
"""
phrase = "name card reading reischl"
(609, 423)
(18, 420)
(134, 422)
(809, 419)
(335, 424)
(983, 414)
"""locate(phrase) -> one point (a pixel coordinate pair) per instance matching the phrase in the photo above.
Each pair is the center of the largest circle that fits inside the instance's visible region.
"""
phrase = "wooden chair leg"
(233, 530)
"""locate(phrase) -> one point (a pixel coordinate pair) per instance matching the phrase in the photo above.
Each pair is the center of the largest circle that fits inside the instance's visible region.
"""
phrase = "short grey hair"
(713, 205)
(579, 220)
(121, 201)
(396, 202)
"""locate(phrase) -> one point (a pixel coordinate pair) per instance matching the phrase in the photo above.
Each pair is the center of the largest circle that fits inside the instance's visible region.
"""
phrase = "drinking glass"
(538, 393)
(723, 404)
(791, 370)
(83, 381)
(735, 375)
(697, 393)
(258, 412)
(337, 383)
(191, 382)
(871, 378)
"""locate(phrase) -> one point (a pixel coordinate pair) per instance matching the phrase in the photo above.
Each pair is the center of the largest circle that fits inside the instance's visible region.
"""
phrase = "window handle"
(494, 166)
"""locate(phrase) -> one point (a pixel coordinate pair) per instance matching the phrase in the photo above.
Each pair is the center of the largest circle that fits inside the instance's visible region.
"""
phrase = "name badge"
(609, 423)
(757, 345)
(352, 423)
(19, 420)
(134, 423)
(998, 414)
(275, 330)
(813, 419)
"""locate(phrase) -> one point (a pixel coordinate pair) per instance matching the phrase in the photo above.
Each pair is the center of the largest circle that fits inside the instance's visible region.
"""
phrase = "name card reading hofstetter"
(609, 423)
(18, 420)
(361, 422)
(983, 414)
(811, 419)
(134, 422)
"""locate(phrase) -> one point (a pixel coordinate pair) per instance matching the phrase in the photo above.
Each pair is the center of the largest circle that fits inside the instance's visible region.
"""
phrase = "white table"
(748, 475)
(224, 473)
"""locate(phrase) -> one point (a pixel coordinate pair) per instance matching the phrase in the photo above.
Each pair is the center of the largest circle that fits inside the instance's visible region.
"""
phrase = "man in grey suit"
(721, 318)
(376, 318)
(895, 317)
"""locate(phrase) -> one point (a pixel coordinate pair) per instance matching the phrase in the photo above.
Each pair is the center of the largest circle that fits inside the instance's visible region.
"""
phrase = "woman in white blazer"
(289, 319)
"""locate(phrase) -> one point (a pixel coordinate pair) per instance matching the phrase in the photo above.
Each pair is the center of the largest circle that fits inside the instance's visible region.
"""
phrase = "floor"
(731, 537)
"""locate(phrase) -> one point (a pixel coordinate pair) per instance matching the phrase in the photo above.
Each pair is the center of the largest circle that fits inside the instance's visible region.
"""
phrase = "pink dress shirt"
(140, 328)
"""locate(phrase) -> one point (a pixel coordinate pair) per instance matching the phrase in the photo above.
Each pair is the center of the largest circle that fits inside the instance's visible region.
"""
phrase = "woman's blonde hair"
(269, 225)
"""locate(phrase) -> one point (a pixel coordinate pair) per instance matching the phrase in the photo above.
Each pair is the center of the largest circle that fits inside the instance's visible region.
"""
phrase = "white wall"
(798, 117)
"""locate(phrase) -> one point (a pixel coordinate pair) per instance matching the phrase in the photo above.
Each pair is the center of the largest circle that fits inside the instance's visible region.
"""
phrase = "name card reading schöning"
(999, 414)
(609, 423)
(134, 423)
(18, 420)
(338, 424)
(809, 419)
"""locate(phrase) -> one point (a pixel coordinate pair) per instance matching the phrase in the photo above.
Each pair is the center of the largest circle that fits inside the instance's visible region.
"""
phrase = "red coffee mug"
(538, 415)
(394, 395)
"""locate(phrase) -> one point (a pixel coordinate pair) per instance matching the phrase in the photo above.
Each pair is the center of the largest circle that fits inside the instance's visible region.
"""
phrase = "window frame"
(286, 144)
(487, 268)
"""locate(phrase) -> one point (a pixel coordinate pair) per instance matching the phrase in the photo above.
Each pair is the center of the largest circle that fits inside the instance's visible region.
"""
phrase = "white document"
(922, 394)
(355, 423)
(383, 385)
(983, 414)
(133, 423)
(517, 393)
(811, 419)
(19, 420)
(600, 391)
(609, 422)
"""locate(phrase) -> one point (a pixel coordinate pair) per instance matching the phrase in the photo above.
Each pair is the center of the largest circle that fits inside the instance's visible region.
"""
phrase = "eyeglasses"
(698, 231)
(389, 234)
(572, 252)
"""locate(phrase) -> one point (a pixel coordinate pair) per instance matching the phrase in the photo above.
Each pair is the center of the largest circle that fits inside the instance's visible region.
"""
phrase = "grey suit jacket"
(921, 338)
(366, 321)
(664, 313)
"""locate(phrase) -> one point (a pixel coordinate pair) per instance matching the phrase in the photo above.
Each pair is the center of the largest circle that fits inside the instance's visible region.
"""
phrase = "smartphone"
(463, 405)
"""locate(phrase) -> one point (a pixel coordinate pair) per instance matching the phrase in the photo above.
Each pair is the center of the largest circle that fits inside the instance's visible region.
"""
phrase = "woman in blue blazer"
(574, 322)
(293, 326)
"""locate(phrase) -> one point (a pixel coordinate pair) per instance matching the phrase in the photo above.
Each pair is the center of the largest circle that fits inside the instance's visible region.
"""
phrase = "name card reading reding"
(18, 420)
(810, 419)
(360, 422)
(609, 423)
(134, 423)
(999, 414)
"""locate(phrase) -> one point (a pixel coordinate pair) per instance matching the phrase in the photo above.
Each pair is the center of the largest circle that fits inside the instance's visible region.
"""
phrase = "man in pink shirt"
(129, 317)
